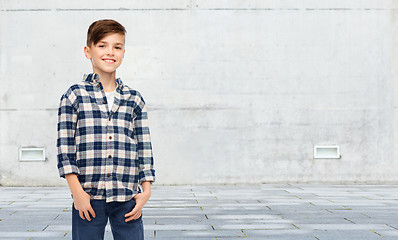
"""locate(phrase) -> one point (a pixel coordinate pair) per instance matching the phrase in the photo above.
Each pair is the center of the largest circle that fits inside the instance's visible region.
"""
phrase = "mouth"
(109, 60)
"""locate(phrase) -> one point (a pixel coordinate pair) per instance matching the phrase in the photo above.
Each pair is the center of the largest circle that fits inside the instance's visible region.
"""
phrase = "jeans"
(115, 211)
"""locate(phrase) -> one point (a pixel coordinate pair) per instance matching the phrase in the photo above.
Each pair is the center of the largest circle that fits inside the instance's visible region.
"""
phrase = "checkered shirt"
(109, 150)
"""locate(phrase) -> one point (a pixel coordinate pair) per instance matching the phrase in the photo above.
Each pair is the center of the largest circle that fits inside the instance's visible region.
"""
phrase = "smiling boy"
(104, 147)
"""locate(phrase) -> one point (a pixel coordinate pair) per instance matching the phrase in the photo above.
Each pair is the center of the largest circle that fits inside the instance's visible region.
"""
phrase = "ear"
(87, 52)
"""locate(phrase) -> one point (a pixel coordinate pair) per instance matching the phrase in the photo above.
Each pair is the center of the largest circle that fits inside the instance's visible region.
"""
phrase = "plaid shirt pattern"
(109, 149)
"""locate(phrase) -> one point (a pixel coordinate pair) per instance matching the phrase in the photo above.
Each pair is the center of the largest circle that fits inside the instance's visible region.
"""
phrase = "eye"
(101, 46)
(118, 48)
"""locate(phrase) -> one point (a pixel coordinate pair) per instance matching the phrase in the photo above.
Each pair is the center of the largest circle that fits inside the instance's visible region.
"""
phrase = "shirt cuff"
(147, 175)
(68, 169)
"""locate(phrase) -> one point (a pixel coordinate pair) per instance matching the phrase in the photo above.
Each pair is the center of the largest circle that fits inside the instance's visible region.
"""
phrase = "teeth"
(108, 61)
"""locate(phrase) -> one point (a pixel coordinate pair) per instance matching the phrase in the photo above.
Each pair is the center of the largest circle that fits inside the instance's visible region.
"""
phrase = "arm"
(145, 159)
(81, 199)
(67, 167)
(144, 145)
(66, 127)
(140, 200)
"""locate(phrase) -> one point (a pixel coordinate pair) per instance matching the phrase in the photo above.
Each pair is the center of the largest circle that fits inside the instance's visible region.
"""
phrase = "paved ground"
(222, 212)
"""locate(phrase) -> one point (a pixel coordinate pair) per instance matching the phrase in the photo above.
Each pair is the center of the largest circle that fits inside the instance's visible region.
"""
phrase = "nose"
(109, 51)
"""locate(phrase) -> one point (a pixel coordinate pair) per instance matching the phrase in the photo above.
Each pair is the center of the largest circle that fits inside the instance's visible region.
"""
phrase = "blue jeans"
(115, 211)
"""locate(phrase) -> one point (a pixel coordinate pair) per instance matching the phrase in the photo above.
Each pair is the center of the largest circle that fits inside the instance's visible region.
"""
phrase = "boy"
(104, 147)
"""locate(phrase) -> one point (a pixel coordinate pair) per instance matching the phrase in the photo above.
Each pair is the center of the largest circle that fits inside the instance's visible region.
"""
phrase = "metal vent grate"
(32, 154)
(326, 152)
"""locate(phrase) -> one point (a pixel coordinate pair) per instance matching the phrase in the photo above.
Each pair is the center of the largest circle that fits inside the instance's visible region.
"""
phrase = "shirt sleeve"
(66, 145)
(144, 146)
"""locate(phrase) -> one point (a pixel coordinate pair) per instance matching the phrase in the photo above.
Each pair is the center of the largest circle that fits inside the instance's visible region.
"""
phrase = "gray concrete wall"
(238, 91)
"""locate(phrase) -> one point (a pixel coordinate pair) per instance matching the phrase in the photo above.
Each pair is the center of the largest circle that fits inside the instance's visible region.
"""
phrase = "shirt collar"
(93, 79)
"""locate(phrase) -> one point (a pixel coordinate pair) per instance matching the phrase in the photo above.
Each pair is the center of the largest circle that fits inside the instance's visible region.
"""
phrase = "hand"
(140, 201)
(82, 204)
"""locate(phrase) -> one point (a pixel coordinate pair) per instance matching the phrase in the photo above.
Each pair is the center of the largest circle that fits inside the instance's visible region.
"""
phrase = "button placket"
(109, 162)
(108, 182)
(109, 156)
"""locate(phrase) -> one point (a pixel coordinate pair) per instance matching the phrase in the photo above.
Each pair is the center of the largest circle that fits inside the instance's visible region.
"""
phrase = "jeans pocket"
(132, 204)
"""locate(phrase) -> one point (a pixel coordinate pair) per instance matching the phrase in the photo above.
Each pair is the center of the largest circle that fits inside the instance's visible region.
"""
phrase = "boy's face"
(107, 55)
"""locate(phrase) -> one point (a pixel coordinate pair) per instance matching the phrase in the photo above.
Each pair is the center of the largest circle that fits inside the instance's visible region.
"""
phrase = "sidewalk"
(290, 211)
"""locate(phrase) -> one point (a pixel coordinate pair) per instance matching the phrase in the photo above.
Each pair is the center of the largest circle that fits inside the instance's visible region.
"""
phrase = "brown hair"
(101, 28)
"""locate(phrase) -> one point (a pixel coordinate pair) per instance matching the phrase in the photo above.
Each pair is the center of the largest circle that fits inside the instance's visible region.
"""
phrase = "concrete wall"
(238, 91)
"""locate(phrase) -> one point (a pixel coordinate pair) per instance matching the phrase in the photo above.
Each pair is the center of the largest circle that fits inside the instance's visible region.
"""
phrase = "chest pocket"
(124, 120)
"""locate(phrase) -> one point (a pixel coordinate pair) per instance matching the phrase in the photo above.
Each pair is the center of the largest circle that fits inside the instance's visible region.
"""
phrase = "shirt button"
(108, 175)
(110, 137)
(103, 102)
(109, 156)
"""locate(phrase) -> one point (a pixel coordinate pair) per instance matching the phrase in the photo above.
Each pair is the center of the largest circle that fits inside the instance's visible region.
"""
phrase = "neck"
(108, 80)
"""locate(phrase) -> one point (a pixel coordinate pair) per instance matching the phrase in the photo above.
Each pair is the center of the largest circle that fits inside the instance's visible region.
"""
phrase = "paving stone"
(179, 221)
(26, 234)
(199, 234)
(348, 226)
(274, 211)
(389, 233)
(179, 227)
(329, 234)
(281, 234)
(253, 226)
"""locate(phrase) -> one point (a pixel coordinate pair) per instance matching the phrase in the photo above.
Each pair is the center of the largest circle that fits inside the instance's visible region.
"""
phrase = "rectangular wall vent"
(32, 154)
(326, 152)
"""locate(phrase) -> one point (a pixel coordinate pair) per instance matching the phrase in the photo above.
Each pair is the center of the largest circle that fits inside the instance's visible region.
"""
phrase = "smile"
(107, 60)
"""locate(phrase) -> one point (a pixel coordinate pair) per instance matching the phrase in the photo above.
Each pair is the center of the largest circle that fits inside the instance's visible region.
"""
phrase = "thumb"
(134, 211)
